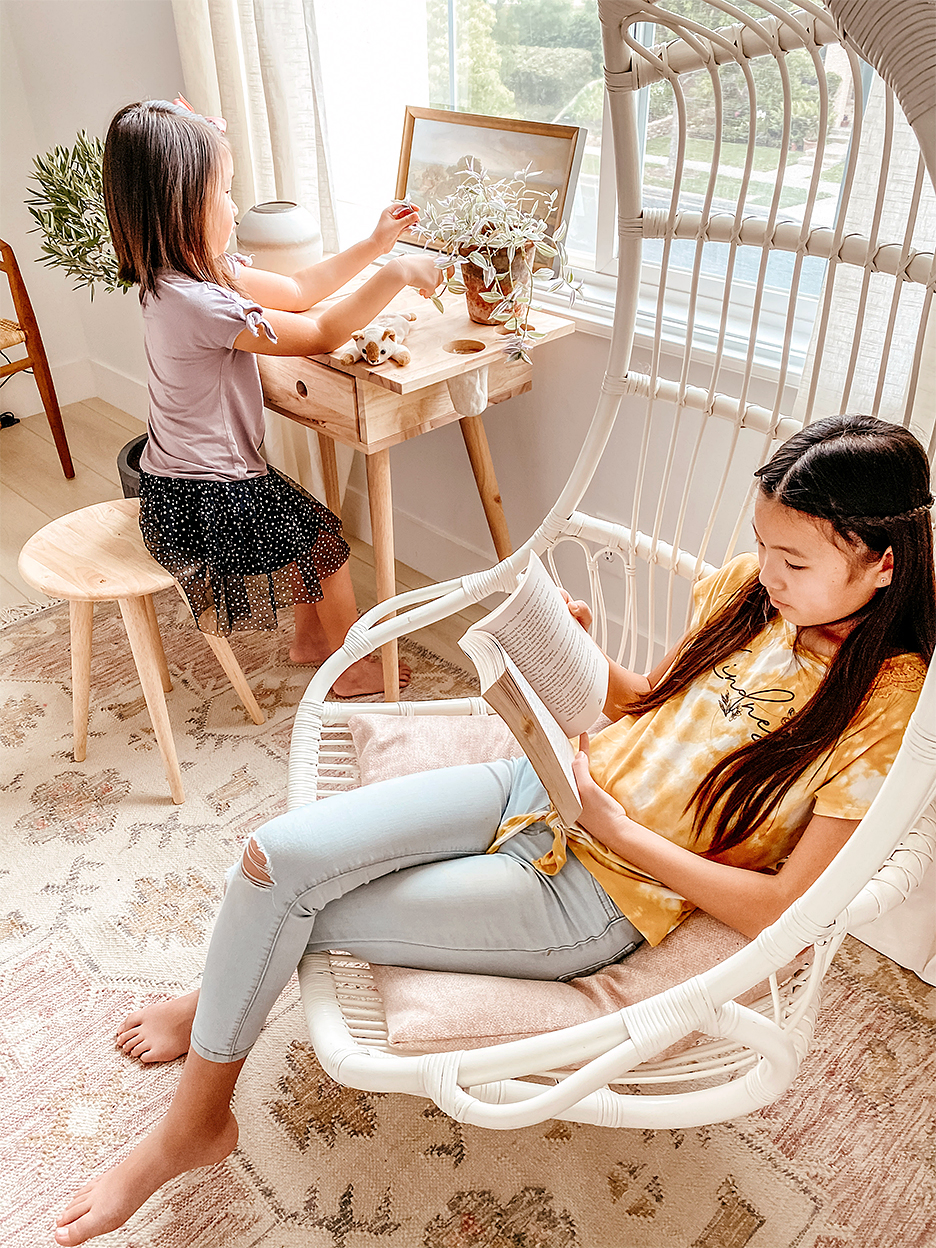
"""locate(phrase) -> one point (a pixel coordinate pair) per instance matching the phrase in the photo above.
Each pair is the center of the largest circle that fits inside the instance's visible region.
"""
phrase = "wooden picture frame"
(437, 143)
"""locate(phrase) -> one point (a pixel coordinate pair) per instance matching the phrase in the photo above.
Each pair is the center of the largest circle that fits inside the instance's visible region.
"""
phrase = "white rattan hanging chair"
(699, 409)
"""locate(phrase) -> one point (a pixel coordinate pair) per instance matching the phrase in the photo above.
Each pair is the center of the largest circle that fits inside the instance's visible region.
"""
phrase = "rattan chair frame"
(706, 416)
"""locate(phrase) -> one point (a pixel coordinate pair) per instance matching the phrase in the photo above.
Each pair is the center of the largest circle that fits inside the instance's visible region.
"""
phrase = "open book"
(544, 676)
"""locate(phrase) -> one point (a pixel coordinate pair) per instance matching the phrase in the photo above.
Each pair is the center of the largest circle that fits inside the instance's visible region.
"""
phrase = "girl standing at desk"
(242, 539)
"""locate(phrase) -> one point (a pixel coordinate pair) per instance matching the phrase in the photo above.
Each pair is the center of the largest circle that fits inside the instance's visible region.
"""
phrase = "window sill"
(593, 313)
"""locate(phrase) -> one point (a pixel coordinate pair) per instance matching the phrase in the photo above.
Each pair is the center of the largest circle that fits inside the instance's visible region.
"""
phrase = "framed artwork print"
(438, 145)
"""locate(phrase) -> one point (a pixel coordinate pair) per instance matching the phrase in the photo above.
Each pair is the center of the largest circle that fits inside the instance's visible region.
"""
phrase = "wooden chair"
(24, 331)
(699, 409)
(97, 555)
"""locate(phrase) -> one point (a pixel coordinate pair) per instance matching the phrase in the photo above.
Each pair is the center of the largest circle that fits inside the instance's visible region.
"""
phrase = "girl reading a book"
(729, 778)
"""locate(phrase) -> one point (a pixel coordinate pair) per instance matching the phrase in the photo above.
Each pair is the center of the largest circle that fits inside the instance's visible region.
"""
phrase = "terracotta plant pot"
(511, 276)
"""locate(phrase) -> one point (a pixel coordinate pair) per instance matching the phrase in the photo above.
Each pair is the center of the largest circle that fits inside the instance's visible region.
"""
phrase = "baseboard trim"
(437, 554)
(120, 390)
(73, 382)
(76, 381)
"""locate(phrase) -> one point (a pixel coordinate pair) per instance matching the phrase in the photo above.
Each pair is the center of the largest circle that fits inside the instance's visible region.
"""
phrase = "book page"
(564, 666)
(546, 746)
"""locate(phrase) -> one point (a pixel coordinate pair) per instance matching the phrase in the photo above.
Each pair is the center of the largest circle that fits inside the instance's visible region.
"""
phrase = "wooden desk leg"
(330, 473)
(137, 625)
(381, 516)
(482, 466)
(81, 622)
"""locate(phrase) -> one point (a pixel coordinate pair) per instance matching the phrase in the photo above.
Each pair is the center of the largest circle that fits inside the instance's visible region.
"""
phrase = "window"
(537, 59)
(543, 59)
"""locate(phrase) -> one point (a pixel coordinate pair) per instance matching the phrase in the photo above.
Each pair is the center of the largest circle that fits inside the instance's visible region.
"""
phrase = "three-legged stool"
(96, 555)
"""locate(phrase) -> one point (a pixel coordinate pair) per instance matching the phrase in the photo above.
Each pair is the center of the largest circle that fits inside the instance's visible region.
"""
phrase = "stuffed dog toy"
(381, 340)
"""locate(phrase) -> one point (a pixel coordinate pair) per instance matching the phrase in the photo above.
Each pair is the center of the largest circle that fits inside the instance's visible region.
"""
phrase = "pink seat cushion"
(430, 1011)
(390, 745)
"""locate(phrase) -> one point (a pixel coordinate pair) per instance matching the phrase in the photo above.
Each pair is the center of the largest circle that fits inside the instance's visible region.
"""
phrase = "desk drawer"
(318, 396)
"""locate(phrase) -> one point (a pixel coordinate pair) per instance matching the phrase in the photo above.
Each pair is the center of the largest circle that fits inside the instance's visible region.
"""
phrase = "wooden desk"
(374, 408)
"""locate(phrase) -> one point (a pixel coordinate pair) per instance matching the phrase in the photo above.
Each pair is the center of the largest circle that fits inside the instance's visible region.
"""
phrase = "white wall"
(69, 65)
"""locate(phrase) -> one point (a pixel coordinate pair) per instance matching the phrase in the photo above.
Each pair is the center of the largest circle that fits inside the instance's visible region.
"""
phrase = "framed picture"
(438, 144)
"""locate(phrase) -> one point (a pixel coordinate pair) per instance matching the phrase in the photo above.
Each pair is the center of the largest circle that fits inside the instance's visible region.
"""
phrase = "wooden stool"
(96, 555)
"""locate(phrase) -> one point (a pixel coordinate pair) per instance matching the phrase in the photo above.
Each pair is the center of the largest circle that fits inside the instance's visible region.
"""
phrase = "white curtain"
(255, 63)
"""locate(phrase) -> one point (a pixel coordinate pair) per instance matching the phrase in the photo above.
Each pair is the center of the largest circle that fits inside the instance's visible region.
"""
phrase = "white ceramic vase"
(281, 236)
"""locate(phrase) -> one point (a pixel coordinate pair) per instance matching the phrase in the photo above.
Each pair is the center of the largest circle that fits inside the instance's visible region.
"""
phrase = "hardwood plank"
(95, 440)
(17, 595)
(124, 419)
(28, 468)
(21, 519)
(33, 489)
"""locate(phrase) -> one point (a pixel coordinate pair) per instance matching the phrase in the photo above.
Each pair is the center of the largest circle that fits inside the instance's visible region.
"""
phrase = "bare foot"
(161, 1032)
(309, 654)
(107, 1202)
(366, 676)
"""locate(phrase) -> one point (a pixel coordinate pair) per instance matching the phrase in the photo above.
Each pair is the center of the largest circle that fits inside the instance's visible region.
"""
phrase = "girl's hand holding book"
(602, 816)
(580, 611)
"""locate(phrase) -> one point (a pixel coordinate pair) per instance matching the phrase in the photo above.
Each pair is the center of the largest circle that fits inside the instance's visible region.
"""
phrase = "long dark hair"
(162, 164)
(838, 470)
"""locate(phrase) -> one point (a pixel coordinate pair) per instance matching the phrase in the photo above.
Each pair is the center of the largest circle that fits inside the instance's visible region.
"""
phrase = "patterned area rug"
(108, 897)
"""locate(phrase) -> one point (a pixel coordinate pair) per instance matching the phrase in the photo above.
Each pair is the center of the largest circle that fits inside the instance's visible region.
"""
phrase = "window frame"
(593, 310)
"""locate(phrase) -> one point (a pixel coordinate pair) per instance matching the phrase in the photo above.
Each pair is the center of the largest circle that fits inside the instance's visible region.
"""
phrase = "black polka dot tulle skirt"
(241, 550)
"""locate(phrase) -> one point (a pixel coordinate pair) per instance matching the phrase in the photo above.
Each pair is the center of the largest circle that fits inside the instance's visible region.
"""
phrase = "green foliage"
(544, 79)
(514, 58)
(478, 81)
(482, 218)
(550, 24)
(68, 208)
(769, 102)
(550, 50)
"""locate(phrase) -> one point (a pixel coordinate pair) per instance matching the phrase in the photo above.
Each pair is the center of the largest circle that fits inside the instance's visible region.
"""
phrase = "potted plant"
(68, 208)
(491, 230)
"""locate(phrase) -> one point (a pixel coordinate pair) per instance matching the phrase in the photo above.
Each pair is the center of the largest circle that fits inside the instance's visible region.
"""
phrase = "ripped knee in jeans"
(254, 865)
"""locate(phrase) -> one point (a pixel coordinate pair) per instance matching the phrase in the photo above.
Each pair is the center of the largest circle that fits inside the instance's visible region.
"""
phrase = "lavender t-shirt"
(206, 404)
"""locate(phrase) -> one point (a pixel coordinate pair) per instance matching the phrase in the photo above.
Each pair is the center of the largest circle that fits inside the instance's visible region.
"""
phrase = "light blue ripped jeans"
(396, 873)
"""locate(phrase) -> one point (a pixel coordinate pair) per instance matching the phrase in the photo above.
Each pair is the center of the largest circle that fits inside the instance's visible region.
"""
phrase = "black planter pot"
(128, 466)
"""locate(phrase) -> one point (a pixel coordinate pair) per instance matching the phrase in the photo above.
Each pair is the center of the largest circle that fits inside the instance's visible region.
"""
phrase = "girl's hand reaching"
(392, 222)
(420, 271)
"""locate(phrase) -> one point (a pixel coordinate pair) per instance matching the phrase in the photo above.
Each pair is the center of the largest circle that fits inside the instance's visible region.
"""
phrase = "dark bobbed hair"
(162, 164)
(868, 480)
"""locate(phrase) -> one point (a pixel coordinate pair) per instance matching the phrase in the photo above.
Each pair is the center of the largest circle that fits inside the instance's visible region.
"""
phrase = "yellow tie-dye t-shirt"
(653, 764)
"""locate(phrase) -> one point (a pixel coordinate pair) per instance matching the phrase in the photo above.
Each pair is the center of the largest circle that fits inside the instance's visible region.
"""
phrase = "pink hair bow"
(218, 122)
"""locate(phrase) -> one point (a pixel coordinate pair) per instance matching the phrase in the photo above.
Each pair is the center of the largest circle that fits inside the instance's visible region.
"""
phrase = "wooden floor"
(33, 491)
